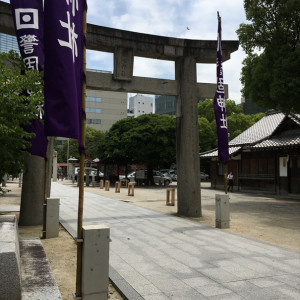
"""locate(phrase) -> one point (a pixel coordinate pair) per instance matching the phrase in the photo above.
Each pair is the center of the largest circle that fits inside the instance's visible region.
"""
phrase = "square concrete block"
(52, 218)
(222, 211)
(95, 262)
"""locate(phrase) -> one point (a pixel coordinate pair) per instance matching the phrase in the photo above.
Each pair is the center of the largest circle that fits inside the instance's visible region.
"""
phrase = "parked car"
(159, 178)
(130, 176)
(204, 176)
(93, 172)
(170, 173)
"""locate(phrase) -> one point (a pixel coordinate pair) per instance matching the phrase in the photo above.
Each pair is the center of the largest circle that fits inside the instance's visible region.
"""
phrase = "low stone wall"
(24, 269)
(10, 270)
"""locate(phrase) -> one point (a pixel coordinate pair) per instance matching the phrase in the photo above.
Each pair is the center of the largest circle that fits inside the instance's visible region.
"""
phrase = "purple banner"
(219, 104)
(64, 40)
(29, 20)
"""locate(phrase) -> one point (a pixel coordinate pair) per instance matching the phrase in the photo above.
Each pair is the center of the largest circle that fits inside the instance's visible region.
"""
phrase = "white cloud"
(171, 18)
(154, 68)
(99, 60)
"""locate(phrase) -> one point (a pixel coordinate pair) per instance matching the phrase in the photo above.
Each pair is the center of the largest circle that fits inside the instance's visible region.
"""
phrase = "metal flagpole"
(81, 178)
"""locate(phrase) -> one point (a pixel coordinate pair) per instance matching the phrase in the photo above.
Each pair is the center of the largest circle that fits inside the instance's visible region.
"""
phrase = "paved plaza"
(154, 255)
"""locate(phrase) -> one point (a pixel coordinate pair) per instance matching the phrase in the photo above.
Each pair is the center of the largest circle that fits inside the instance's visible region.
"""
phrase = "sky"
(190, 19)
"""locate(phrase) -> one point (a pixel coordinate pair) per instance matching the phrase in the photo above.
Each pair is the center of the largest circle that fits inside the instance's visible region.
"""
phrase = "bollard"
(107, 184)
(117, 187)
(95, 262)
(93, 181)
(52, 218)
(125, 181)
(101, 184)
(172, 192)
(131, 189)
(222, 211)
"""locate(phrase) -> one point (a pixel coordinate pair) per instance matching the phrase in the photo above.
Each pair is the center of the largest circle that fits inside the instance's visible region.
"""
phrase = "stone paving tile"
(236, 269)
(253, 292)
(286, 292)
(281, 265)
(231, 296)
(167, 284)
(219, 275)
(158, 256)
(198, 281)
(213, 290)
(290, 280)
(265, 282)
(185, 294)
(149, 268)
(159, 296)
(259, 267)
(146, 289)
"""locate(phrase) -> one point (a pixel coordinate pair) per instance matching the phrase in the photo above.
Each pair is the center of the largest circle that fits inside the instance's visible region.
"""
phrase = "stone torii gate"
(186, 54)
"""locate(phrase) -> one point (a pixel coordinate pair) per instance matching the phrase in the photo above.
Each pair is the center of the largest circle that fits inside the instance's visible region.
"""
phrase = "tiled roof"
(259, 136)
(259, 131)
(214, 152)
(295, 118)
(278, 142)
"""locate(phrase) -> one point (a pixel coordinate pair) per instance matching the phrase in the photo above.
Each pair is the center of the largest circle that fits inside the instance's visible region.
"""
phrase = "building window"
(93, 121)
(93, 110)
(93, 99)
(8, 42)
(220, 169)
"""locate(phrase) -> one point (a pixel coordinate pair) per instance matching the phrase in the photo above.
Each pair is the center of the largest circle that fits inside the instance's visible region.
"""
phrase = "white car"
(130, 176)
(204, 176)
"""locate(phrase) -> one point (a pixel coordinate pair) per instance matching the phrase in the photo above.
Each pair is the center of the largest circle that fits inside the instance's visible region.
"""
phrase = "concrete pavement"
(158, 256)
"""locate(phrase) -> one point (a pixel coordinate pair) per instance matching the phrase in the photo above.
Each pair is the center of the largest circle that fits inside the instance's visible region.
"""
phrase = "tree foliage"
(93, 143)
(16, 111)
(148, 139)
(271, 71)
(237, 122)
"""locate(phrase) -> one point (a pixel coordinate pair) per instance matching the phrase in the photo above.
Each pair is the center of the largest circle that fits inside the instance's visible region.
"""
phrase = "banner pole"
(225, 178)
(81, 183)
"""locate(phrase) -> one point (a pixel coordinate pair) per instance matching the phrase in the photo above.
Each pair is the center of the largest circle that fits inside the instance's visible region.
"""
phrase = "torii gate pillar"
(187, 135)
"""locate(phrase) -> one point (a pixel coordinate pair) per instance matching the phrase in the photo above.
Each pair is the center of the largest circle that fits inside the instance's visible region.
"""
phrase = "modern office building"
(140, 105)
(165, 105)
(103, 108)
(8, 42)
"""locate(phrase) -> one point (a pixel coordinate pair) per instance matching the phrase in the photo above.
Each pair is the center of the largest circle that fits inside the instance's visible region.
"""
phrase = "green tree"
(93, 141)
(271, 71)
(207, 136)
(16, 111)
(147, 139)
(237, 122)
(117, 147)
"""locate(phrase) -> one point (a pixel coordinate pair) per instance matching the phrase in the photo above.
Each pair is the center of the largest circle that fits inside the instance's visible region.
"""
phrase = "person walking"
(230, 181)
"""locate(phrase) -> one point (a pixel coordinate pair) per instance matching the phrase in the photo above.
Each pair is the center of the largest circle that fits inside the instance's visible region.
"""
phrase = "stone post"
(222, 211)
(188, 161)
(95, 262)
(52, 218)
